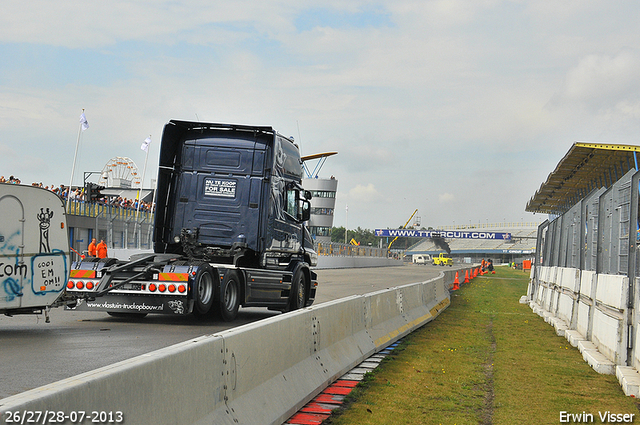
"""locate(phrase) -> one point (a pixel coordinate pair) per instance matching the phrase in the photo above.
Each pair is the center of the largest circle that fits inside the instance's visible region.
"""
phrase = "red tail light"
(80, 285)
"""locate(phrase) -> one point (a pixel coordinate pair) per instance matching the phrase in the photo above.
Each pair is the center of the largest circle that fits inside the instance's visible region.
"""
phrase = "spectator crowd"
(79, 195)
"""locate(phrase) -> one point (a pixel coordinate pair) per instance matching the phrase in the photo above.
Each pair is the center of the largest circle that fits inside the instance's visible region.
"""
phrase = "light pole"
(346, 225)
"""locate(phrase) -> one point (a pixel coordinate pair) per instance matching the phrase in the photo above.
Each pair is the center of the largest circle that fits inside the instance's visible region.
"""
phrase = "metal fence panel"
(591, 206)
(599, 233)
(556, 237)
(570, 250)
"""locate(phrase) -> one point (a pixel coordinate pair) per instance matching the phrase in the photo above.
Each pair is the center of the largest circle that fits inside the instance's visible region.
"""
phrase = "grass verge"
(487, 359)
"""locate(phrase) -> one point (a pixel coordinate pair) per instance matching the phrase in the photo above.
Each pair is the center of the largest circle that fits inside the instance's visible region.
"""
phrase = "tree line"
(368, 237)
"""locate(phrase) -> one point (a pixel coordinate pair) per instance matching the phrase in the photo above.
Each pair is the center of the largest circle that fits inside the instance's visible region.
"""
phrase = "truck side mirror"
(307, 195)
(306, 210)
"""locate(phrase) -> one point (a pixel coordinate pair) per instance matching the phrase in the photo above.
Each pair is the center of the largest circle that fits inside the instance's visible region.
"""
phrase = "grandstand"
(521, 246)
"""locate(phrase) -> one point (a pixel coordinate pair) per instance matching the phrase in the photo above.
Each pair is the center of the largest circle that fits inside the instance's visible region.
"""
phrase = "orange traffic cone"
(456, 283)
(466, 276)
(475, 272)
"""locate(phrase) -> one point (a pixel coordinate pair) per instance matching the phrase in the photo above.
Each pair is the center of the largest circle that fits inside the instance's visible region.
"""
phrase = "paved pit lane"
(34, 353)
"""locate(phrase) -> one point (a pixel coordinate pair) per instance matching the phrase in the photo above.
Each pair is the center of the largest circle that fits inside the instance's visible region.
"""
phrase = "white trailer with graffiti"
(34, 250)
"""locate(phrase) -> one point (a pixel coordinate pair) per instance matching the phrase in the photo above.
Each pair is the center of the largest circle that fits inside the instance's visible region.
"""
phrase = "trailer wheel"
(229, 296)
(204, 290)
(298, 290)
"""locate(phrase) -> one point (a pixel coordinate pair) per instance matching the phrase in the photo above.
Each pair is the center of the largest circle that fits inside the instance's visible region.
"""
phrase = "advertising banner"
(447, 234)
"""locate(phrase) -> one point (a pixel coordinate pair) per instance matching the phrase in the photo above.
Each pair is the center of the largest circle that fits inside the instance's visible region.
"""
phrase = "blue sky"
(458, 108)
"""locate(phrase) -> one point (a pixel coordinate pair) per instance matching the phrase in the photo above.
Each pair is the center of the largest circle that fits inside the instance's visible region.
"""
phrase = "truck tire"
(229, 296)
(203, 290)
(298, 298)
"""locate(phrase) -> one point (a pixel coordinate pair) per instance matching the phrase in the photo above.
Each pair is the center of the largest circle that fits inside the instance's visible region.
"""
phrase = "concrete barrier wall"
(539, 294)
(584, 315)
(565, 307)
(587, 307)
(635, 360)
(610, 317)
(607, 335)
(612, 290)
(586, 303)
(324, 261)
(569, 282)
(337, 262)
(262, 372)
(547, 284)
(588, 284)
(570, 279)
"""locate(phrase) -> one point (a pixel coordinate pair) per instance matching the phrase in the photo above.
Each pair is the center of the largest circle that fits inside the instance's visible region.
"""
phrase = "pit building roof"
(585, 167)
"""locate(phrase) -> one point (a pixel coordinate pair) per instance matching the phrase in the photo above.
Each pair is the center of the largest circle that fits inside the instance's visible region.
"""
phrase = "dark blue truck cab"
(229, 230)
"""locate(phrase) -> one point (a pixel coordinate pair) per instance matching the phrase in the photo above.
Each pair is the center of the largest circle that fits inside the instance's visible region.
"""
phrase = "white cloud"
(364, 194)
(445, 198)
(601, 80)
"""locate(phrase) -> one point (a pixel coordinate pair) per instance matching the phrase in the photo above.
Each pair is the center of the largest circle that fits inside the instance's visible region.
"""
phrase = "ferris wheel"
(120, 172)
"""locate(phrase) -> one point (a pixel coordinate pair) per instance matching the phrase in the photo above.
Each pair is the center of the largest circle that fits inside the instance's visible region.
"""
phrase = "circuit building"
(323, 201)
(501, 242)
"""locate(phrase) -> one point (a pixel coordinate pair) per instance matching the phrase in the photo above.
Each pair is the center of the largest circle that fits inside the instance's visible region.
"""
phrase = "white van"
(34, 249)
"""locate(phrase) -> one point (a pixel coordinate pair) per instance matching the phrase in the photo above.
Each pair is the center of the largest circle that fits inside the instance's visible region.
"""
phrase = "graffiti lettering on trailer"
(10, 270)
(49, 271)
(12, 274)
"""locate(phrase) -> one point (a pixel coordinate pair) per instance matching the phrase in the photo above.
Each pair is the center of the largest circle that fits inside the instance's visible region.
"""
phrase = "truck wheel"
(298, 291)
(204, 290)
(229, 296)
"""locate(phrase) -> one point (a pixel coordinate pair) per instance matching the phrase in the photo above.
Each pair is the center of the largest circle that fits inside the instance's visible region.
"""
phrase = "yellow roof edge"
(317, 155)
(608, 146)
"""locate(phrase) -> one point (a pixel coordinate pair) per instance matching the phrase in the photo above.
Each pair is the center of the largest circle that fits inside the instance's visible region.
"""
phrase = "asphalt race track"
(34, 353)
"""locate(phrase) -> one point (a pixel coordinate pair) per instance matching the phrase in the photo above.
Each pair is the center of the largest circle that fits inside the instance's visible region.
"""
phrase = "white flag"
(145, 144)
(83, 122)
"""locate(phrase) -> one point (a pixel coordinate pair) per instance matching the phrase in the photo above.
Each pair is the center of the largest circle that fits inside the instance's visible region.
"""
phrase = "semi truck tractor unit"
(229, 230)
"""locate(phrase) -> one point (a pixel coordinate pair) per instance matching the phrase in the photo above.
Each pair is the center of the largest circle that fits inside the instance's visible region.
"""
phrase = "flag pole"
(144, 170)
(75, 157)
(144, 147)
